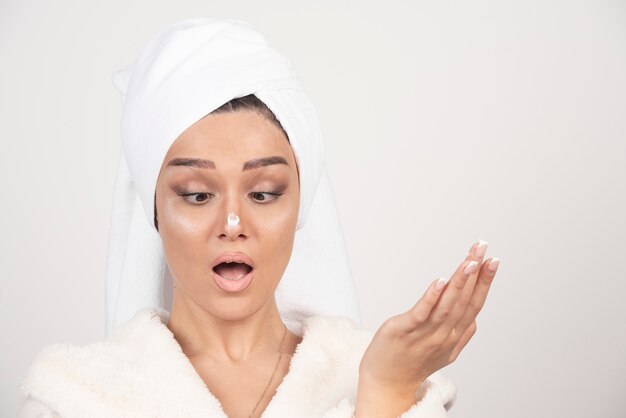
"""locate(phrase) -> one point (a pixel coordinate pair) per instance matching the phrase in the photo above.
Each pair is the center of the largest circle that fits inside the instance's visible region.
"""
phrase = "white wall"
(445, 123)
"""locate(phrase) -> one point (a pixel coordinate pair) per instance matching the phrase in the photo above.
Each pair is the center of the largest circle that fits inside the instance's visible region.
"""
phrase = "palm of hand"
(409, 347)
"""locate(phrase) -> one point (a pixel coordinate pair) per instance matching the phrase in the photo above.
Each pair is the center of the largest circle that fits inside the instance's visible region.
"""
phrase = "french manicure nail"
(471, 267)
(493, 264)
(481, 249)
(441, 282)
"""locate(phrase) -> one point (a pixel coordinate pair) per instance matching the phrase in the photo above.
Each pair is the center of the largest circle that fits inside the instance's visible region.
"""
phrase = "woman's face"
(193, 201)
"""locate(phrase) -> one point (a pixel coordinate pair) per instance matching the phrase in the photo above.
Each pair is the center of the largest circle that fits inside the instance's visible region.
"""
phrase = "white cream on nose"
(233, 220)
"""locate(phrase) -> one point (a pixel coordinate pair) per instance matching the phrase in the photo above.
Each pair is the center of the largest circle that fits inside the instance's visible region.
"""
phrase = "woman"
(227, 190)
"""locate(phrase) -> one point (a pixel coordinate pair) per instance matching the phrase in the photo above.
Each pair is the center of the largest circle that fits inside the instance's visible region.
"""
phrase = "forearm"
(382, 401)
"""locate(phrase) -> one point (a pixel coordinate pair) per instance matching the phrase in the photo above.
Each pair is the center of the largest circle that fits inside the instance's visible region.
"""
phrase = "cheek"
(183, 236)
(277, 220)
(276, 234)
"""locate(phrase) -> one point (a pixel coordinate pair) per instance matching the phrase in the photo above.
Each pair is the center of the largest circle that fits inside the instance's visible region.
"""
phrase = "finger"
(465, 337)
(483, 283)
(445, 306)
(422, 308)
(465, 299)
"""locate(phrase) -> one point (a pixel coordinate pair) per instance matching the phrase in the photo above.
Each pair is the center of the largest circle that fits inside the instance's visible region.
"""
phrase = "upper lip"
(233, 256)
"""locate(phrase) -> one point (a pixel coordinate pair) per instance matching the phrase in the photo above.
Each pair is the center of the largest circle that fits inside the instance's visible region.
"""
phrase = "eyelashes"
(189, 197)
(273, 196)
(200, 198)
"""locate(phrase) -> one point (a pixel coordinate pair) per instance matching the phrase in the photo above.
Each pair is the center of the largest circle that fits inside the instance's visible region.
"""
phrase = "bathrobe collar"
(142, 371)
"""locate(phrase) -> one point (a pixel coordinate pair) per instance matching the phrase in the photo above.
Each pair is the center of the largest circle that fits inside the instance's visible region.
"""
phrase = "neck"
(201, 333)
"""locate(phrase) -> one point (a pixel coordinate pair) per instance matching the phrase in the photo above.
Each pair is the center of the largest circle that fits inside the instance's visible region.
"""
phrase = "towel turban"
(185, 71)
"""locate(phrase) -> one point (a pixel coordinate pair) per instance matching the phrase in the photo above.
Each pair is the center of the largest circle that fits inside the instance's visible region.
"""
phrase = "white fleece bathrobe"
(186, 71)
(141, 371)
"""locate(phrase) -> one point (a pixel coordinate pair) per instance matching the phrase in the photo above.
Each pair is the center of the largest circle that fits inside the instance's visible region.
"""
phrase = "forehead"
(232, 134)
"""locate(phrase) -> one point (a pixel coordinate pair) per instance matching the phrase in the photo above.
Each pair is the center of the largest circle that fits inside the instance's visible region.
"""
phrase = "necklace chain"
(280, 356)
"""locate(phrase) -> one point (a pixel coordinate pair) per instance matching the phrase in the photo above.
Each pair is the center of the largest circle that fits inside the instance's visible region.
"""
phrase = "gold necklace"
(273, 374)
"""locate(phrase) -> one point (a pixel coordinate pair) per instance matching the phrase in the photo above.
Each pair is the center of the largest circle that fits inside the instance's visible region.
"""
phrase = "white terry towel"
(185, 71)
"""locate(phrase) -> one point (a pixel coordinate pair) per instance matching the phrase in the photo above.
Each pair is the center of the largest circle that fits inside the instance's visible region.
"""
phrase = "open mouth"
(233, 270)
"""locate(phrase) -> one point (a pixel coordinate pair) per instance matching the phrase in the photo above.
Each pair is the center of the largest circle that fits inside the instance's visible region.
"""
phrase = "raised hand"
(409, 347)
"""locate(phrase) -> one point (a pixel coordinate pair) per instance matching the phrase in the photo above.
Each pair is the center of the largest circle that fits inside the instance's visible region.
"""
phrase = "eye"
(260, 196)
(196, 198)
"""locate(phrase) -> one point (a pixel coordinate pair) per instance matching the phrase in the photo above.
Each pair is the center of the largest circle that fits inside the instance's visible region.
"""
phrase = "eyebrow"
(208, 164)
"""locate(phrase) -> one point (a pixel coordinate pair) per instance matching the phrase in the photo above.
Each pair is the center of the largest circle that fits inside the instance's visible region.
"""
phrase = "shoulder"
(331, 346)
(61, 373)
(335, 332)
(334, 344)
(72, 360)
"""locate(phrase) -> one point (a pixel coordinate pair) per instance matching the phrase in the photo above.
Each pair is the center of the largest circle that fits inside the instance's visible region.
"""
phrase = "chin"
(229, 306)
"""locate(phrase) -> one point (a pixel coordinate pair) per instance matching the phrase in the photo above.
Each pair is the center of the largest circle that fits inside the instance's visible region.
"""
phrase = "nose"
(232, 222)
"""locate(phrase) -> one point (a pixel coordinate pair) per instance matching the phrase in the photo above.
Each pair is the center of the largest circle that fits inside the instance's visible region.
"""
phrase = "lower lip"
(233, 285)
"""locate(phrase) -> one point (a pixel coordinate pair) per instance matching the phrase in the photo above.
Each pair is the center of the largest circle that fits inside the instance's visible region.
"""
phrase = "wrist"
(380, 400)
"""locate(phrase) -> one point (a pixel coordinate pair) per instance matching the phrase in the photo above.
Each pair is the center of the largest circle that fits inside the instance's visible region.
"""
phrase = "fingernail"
(471, 267)
(441, 282)
(493, 264)
(481, 248)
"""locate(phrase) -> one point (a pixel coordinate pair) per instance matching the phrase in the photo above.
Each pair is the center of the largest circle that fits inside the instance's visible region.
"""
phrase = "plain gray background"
(445, 122)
